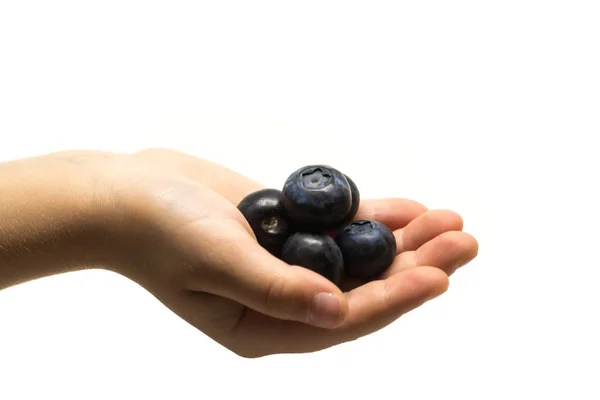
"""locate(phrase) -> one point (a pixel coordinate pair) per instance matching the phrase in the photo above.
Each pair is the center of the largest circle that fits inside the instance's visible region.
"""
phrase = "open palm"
(430, 246)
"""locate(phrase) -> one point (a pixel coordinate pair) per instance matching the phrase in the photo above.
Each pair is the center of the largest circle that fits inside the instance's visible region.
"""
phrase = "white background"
(487, 108)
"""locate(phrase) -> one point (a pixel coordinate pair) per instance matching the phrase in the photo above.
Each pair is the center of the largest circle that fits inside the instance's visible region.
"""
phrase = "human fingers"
(372, 306)
(448, 252)
(395, 213)
(241, 270)
(425, 227)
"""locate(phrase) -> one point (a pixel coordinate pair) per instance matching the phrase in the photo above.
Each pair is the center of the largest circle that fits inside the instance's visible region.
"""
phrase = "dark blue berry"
(368, 248)
(317, 252)
(317, 198)
(355, 201)
(267, 217)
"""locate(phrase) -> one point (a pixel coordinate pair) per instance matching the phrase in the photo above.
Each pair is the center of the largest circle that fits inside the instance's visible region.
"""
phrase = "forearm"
(51, 217)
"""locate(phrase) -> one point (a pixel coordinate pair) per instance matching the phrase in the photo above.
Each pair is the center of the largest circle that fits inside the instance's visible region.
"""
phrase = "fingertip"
(463, 246)
(470, 247)
(328, 310)
(329, 307)
(448, 218)
(437, 280)
(475, 251)
(418, 206)
(456, 218)
(423, 282)
(426, 227)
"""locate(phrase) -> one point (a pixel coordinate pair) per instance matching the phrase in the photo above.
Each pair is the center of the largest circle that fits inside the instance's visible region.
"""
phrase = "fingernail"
(326, 310)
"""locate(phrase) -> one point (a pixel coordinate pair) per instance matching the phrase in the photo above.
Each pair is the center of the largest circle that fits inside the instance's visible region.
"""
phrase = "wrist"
(55, 215)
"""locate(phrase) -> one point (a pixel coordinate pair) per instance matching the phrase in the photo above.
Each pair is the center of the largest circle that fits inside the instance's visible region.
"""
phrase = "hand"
(185, 241)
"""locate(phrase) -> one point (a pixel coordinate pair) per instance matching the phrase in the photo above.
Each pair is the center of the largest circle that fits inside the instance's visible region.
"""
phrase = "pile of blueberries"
(309, 223)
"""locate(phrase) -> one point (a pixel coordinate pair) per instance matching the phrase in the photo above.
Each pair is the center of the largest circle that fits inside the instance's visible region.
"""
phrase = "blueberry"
(317, 198)
(264, 211)
(368, 248)
(317, 252)
(355, 201)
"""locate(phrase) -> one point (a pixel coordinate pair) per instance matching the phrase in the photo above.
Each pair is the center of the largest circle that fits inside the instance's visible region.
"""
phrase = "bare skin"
(168, 221)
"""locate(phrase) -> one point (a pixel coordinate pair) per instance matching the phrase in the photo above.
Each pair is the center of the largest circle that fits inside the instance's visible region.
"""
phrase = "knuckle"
(274, 296)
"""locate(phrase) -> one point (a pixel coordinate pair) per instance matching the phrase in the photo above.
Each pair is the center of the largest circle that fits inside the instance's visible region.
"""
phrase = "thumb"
(251, 276)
